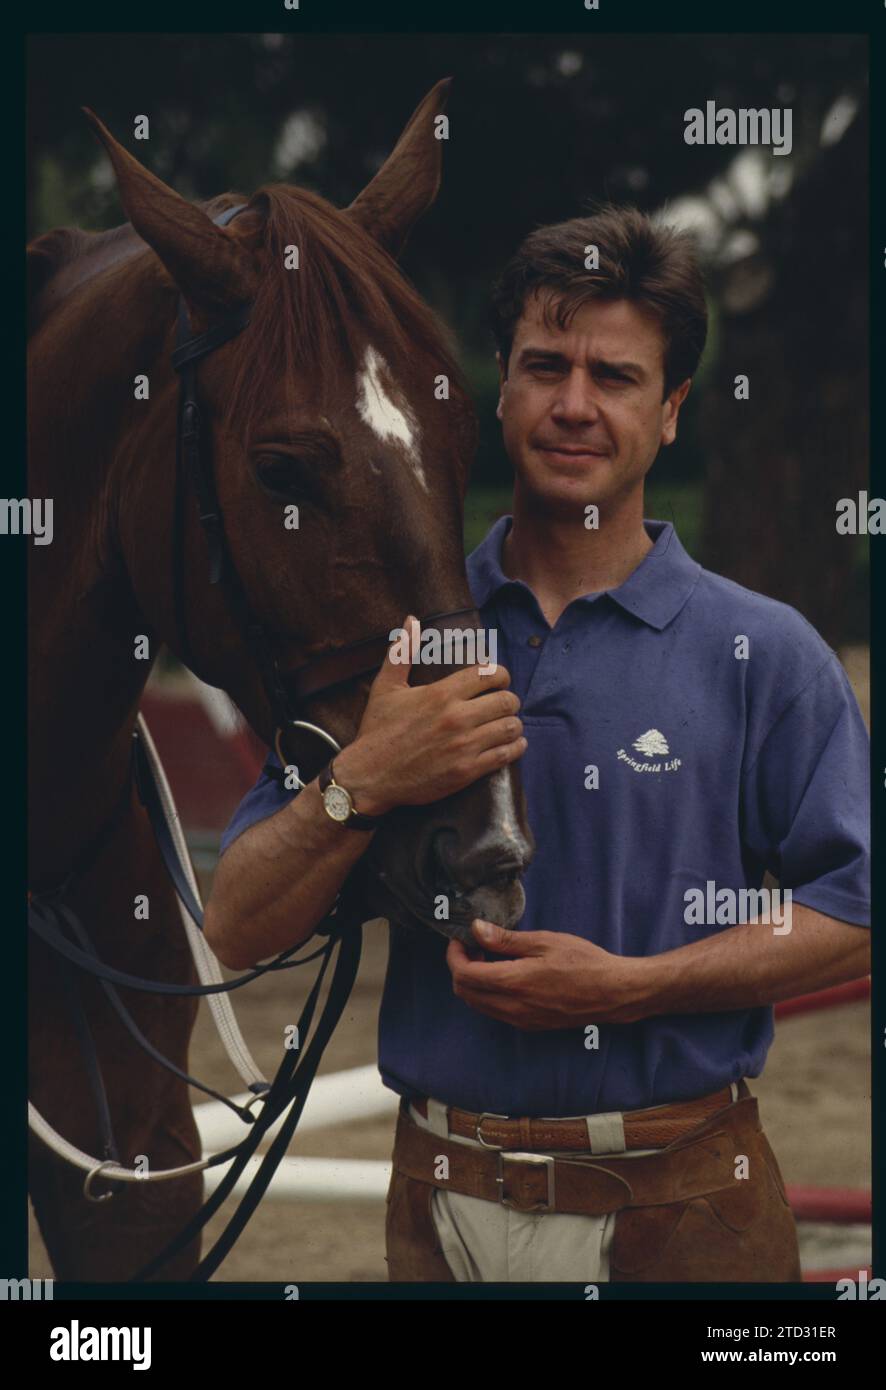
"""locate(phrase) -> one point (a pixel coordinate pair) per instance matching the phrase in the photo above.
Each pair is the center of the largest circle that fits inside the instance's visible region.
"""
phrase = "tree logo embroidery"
(652, 743)
(652, 746)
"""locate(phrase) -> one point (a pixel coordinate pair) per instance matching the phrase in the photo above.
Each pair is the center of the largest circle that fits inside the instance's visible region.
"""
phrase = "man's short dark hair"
(655, 267)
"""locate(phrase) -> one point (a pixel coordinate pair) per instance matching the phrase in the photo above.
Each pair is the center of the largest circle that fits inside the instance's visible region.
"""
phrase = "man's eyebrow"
(547, 354)
(626, 368)
(551, 355)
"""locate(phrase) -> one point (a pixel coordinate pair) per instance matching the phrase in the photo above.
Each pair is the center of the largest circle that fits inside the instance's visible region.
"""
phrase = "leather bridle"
(194, 470)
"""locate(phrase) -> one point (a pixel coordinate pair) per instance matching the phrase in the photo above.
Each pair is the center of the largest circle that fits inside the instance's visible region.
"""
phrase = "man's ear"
(672, 410)
(502, 378)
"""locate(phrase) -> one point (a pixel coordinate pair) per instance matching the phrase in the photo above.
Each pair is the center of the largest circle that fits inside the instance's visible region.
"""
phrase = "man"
(679, 736)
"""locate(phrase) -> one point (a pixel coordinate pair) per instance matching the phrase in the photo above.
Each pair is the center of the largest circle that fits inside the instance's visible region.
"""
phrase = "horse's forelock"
(309, 323)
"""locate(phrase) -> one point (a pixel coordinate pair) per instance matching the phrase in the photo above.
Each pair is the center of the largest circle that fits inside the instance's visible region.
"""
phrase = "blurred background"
(541, 127)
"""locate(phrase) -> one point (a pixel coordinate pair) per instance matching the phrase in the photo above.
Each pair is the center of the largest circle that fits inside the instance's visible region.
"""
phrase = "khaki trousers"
(740, 1235)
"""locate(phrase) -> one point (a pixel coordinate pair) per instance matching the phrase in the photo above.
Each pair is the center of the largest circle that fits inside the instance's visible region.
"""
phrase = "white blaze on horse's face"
(392, 423)
(505, 807)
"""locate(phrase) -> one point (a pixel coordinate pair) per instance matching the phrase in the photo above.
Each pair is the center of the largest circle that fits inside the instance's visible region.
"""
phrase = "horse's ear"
(209, 267)
(407, 183)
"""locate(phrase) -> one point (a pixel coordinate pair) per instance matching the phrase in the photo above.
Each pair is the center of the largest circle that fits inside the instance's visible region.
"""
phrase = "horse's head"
(340, 436)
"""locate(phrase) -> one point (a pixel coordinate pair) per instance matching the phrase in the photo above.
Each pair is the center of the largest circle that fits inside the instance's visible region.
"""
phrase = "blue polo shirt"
(682, 732)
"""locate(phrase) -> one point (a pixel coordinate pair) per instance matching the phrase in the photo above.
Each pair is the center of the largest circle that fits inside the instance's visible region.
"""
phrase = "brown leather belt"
(694, 1166)
(654, 1128)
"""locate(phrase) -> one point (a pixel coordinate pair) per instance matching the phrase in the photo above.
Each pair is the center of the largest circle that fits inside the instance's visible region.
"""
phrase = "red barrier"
(830, 1276)
(840, 1205)
(849, 993)
(209, 772)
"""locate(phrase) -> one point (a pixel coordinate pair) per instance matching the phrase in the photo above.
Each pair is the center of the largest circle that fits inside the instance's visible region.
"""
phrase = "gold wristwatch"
(339, 804)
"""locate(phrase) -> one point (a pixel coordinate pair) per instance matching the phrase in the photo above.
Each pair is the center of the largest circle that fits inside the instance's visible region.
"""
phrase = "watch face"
(337, 803)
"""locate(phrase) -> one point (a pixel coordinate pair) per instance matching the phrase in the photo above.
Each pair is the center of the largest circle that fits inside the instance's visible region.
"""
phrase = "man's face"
(581, 409)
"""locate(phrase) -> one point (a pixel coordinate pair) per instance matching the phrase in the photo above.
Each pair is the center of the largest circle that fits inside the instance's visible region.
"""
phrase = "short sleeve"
(266, 797)
(806, 799)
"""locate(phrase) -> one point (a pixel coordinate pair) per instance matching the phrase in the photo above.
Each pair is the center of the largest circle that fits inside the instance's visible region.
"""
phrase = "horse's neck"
(84, 694)
(86, 674)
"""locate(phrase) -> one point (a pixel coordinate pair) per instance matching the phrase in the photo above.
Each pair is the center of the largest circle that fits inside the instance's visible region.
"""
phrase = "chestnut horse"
(328, 399)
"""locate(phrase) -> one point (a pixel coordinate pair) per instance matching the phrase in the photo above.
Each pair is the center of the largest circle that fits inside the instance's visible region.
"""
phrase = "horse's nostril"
(499, 883)
(444, 844)
(459, 873)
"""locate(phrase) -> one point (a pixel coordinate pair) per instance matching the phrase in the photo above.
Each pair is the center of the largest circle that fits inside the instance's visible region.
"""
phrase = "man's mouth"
(573, 451)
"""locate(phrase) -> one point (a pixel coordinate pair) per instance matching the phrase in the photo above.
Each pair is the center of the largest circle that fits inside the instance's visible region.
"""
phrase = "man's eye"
(544, 368)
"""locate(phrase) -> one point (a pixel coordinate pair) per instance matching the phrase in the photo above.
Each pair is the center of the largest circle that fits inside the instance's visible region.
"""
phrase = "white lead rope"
(95, 1167)
(207, 966)
(209, 972)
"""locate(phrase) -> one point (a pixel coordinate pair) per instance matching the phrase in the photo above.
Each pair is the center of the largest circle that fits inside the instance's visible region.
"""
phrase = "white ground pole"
(337, 1098)
(315, 1179)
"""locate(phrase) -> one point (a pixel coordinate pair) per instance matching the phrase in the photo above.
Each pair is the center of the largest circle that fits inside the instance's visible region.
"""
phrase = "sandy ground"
(814, 1101)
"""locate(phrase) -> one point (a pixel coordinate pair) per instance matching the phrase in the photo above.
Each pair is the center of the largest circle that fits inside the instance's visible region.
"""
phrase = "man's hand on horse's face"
(545, 979)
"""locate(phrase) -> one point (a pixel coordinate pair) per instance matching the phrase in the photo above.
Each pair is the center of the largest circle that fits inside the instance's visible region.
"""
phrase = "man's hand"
(545, 979)
(421, 743)
(556, 980)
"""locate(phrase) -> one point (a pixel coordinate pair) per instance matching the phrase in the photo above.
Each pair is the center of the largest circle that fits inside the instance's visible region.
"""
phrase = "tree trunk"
(795, 320)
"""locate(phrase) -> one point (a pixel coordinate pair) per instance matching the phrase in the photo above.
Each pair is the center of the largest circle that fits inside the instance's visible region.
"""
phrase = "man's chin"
(568, 496)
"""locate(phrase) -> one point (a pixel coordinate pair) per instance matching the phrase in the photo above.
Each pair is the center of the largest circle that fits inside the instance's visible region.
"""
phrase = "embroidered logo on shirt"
(651, 743)
(654, 745)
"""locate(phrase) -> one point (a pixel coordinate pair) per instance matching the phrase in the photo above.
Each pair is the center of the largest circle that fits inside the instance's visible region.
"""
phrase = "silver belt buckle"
(546, 1159)
(487, 1115)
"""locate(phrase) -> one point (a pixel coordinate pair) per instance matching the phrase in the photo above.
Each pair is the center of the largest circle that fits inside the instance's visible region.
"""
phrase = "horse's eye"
(285, 476)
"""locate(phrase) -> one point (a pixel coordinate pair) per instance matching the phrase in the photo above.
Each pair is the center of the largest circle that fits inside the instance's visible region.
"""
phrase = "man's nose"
(576, 402)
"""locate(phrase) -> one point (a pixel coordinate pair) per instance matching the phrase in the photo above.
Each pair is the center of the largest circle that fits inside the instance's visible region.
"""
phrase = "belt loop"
(438, 1118)
(606, 1133)
(734, 1088)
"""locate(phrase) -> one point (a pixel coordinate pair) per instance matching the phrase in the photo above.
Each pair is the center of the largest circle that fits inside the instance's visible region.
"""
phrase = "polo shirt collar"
(655, 592)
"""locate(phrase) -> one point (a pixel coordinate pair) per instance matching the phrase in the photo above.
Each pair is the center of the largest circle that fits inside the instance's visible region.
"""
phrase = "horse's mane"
(347, 290)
